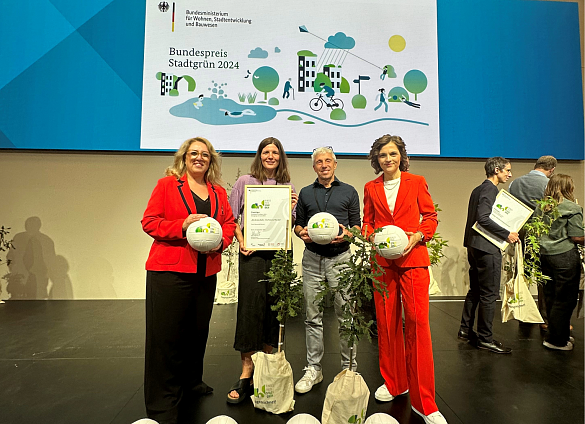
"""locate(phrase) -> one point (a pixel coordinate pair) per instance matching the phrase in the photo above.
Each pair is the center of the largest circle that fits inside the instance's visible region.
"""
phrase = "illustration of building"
(307, 70)
(334, 74)
(166, 83)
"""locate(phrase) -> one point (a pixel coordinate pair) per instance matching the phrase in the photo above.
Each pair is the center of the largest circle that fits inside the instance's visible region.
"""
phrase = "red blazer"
(412, 201)
(163, 221)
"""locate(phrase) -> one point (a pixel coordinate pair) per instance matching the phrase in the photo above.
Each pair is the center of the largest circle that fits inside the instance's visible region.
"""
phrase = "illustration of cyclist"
(328, 91)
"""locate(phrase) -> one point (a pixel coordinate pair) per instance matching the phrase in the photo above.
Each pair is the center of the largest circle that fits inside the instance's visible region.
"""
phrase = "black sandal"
(243, 387)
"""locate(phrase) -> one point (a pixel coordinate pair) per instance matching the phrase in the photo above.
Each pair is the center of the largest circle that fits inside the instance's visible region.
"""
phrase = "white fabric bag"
(434, 289)
(346, 400)
(226, 292)
(273, 383)
(517, 301)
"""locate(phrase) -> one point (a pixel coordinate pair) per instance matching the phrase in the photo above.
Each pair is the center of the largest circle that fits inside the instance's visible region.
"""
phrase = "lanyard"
(330, 191)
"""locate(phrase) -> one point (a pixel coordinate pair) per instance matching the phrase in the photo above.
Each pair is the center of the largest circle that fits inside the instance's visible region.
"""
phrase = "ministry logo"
(163, 6)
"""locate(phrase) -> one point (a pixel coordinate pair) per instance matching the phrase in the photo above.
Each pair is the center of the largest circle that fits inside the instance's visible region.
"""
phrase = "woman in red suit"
(402, 199)
(180, 282)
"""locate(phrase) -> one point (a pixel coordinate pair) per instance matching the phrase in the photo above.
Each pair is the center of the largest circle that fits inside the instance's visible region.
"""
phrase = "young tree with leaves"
(356, 286)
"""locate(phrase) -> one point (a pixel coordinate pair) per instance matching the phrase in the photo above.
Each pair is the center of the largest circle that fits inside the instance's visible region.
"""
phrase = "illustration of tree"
(265, 79)
(415, 81)
(321, 77)
(344, 86)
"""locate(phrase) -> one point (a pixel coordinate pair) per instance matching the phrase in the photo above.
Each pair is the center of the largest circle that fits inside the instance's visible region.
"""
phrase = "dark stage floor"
(81, 362)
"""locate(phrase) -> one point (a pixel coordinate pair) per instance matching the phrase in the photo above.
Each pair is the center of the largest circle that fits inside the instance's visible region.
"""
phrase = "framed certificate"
(267, 217)
(509, 213)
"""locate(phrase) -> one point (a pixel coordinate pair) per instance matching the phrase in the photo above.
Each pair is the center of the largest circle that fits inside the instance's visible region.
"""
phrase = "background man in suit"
(529, 188)
(485, 259)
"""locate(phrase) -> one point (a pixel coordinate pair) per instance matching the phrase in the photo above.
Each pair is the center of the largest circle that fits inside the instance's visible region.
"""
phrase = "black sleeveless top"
(203, 207)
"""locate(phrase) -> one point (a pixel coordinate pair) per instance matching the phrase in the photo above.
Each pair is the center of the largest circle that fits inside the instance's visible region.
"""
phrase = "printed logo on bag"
(354, 419)
(516, 300)
(259, 394)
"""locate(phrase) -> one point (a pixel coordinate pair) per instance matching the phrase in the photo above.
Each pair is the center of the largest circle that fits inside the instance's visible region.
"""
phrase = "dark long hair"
(282, 175)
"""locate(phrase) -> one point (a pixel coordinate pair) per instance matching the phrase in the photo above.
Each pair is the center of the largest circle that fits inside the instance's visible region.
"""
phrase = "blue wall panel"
(509, 77)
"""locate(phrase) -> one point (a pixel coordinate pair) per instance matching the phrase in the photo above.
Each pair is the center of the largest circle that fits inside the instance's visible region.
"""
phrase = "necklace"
(391, 185)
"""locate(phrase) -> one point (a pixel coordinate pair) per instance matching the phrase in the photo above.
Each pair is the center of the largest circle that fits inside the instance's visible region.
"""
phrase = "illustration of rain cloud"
(258, 53)
(340, 41)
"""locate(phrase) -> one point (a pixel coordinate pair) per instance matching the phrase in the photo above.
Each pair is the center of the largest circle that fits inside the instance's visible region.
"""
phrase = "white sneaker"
(568, 346)
(383, 395)
(434, 418)
(311, 377)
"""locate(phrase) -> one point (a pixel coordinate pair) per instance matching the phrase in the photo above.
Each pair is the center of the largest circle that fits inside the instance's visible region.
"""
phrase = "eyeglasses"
(326, 147)
(195, 154)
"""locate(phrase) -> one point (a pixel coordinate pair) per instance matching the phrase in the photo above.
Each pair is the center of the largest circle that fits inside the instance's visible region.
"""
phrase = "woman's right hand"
(244, 251)
(194, 217)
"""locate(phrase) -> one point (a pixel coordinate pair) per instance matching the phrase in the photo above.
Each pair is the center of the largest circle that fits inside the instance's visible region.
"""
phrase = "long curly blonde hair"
(178, 168)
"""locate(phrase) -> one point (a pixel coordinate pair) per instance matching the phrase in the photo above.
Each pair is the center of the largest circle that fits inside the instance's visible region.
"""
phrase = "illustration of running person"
(382, 100)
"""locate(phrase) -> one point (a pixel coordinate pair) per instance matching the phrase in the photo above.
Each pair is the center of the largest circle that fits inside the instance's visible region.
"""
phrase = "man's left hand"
(339, 238)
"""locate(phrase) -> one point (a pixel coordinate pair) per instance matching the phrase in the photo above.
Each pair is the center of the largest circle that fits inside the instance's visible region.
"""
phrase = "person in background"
(180, 281)
(400, 198)
(485, 259)
(528, 189)
(561, 262)
(257, 326)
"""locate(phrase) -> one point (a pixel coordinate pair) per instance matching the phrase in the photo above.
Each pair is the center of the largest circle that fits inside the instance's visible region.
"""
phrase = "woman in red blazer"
(402, 199)
(180, 282)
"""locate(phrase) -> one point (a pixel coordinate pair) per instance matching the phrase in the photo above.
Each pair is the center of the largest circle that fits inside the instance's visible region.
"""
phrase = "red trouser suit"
(406, 363)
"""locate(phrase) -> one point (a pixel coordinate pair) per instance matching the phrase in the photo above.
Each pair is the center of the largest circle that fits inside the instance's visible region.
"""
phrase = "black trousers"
(561, 293)
(484, 289)
(178, 310)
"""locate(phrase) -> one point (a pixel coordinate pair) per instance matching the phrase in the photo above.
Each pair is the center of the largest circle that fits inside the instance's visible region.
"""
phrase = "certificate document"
(267, 217)
(509, 213)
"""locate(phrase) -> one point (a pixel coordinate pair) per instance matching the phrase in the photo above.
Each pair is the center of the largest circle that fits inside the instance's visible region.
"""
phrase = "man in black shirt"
(326, 194)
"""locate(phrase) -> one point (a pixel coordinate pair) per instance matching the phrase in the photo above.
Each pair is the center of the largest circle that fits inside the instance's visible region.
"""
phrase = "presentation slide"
(335, 73)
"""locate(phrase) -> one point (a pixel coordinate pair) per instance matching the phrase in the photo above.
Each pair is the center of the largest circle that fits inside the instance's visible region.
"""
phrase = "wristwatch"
(422, 236)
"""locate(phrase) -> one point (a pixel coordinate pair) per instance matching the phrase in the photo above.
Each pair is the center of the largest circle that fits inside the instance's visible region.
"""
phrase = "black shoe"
(463, 335)
(470, 337)
(494, 346)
